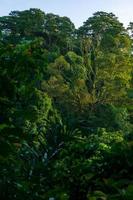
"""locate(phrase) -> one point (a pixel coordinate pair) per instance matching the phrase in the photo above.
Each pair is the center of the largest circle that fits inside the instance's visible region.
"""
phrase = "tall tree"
(106, 48)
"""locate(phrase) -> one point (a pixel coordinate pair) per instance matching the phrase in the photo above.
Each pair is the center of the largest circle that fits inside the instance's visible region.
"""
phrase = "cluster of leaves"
(65, 108)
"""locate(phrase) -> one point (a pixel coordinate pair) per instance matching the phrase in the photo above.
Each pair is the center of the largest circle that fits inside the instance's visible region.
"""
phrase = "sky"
(77, 10)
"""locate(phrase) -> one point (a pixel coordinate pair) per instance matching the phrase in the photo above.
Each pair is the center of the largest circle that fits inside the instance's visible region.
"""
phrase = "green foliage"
(65, 108)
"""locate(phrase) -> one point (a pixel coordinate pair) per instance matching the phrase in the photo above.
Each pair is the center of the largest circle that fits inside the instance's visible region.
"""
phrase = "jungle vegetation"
(66, 107)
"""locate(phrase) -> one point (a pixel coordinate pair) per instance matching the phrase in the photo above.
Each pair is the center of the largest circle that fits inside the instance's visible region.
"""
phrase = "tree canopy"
(66, 107)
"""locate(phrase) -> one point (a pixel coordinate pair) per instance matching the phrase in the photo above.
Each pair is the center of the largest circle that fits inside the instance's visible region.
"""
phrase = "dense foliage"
(66, 108)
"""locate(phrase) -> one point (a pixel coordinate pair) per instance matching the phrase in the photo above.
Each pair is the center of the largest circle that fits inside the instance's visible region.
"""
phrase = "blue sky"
(77, 10)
